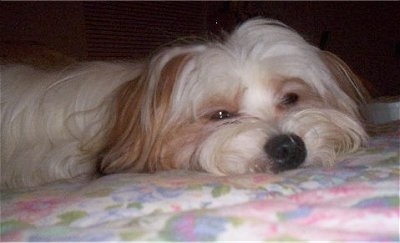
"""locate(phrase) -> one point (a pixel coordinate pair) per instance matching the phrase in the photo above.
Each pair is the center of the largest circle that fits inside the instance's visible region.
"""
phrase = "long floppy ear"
(348, 81)
(138, 115)
(354, 86)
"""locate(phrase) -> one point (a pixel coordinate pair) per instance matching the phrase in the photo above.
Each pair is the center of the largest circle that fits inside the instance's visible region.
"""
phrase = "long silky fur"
(157, 114)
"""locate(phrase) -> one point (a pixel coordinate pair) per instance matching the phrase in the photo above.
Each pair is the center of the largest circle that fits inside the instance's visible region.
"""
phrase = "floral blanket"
(357, 199)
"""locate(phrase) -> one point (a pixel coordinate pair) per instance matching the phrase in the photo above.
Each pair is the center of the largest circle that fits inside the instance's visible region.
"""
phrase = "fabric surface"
(357, 199)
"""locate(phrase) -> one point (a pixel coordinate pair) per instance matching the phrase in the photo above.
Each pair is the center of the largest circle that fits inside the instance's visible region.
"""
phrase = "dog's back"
(53, 121)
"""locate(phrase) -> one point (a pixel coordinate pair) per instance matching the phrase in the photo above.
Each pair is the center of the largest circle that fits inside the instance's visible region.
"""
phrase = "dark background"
(365, 34)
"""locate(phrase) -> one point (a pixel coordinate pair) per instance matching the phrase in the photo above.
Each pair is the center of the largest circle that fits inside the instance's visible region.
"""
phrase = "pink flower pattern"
(355, 200)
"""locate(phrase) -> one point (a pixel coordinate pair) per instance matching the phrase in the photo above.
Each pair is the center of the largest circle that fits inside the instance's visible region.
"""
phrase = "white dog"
(263, 100)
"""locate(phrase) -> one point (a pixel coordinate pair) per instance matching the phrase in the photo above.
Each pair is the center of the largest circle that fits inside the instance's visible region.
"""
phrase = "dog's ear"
(353, 85)
(138, 116)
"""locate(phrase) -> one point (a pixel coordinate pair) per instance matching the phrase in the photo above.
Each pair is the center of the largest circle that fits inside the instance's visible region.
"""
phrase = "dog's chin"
(235, 148)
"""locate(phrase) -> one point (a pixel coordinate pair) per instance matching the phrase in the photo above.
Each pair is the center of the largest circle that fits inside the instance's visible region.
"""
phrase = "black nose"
(287, 152)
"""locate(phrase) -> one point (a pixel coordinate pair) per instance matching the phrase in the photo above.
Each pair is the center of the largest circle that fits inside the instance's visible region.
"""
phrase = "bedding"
(356, 199)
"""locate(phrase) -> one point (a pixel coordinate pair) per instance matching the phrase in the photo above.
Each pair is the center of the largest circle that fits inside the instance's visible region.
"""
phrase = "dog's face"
(262, 101)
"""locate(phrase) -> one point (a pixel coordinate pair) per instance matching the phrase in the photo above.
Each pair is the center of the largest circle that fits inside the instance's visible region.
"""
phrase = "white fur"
(49, 118)
(56, 125)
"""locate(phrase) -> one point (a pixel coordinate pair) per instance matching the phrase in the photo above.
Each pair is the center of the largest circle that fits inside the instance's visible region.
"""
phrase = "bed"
(357, 199)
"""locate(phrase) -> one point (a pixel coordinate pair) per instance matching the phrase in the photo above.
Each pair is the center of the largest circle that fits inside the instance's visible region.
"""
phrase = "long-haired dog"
(262, 100)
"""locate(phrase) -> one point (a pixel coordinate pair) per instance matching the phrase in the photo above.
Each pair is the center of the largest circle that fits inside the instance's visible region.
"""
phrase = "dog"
(262, 100)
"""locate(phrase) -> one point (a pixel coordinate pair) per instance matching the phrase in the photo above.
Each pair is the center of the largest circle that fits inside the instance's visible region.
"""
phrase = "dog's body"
(264, 100)
(53, 122)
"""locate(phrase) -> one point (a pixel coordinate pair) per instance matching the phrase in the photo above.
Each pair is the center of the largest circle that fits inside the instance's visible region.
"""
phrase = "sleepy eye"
(220, 115)
(289, 99)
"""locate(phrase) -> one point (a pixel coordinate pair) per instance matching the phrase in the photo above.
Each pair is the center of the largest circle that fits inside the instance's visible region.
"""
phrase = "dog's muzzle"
(287, 151)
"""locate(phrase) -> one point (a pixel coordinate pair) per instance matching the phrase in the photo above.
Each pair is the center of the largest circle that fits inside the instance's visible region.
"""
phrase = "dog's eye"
(221, 114)
(289, 99)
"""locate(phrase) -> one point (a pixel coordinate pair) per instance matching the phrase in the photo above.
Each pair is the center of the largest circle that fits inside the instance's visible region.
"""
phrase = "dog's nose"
(287, 151)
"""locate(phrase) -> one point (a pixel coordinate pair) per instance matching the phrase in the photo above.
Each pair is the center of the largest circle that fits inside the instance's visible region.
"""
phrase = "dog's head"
(262, 100)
